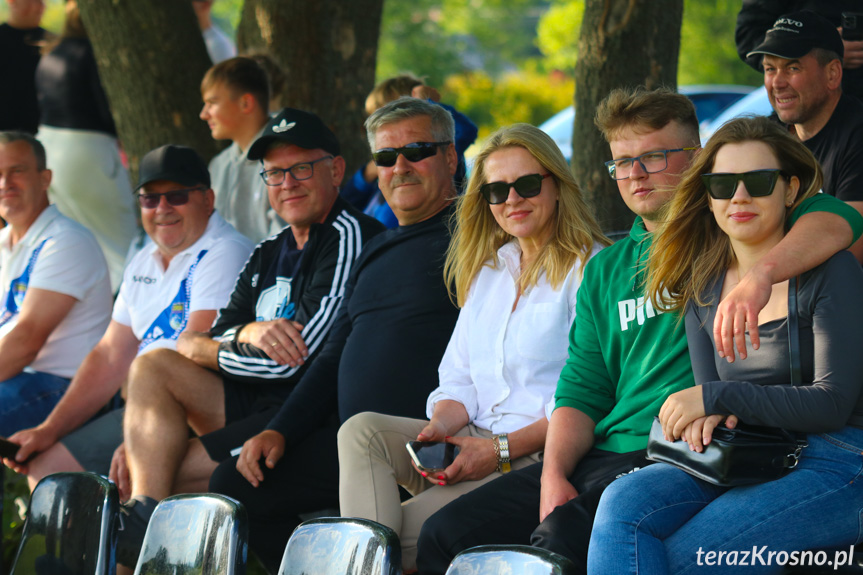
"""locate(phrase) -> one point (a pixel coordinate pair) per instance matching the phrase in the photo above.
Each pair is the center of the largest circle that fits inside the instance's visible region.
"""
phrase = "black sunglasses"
(527, 186)
(758, 183)
(174, 197)
(415, 152)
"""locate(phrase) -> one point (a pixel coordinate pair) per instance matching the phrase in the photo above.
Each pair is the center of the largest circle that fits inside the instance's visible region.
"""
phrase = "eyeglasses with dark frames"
(650, 162)
(300, 172)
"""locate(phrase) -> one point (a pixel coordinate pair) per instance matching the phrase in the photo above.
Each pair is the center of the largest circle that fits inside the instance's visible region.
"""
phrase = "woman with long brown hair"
(733, 205)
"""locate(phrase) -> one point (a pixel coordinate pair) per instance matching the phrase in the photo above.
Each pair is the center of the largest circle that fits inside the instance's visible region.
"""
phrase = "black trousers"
(306, 479)
(506, 511)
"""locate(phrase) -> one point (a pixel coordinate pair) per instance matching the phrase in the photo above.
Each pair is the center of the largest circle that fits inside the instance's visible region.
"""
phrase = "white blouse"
(503, 365)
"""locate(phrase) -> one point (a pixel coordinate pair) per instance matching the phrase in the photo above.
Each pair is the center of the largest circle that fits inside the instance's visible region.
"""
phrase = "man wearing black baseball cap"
(226, 382)
(756, 17)
(177, 282)
(802, 59)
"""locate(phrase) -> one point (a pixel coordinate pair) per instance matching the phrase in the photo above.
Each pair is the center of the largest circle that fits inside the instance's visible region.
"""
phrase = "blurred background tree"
(503, 61)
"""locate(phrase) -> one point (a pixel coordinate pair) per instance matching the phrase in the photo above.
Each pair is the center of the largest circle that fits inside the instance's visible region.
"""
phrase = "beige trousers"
(373, 462)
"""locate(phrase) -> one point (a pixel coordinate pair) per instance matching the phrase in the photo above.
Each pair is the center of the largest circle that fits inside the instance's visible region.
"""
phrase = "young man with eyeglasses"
(383, 353)
(625, 357)
(226, 381)
(178, 282)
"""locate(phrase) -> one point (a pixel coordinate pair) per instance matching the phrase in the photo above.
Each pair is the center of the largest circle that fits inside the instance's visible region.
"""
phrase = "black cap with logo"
(795, 35)
(297, 127)
(179, 164)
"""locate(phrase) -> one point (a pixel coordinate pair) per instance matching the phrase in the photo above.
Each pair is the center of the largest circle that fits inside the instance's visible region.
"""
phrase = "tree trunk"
(329, 49)
(151, 59)
(622, 43)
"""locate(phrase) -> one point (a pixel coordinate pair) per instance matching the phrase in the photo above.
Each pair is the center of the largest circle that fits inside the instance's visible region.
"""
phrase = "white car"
(754, 104)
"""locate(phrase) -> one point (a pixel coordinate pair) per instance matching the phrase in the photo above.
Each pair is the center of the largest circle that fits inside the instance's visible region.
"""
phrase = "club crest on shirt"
(178, 311)
(275, 301)
(19, 289)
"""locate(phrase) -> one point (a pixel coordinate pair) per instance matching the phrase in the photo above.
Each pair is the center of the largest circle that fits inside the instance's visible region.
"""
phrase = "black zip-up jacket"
(305, 285)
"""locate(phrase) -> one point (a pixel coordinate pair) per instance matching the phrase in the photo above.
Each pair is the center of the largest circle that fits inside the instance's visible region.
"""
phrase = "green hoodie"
(625, 357)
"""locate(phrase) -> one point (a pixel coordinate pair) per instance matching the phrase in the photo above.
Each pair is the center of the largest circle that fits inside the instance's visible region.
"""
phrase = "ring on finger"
(275, 344)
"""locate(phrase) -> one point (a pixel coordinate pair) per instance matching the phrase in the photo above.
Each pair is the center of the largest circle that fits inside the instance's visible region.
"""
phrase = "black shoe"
(134, 517)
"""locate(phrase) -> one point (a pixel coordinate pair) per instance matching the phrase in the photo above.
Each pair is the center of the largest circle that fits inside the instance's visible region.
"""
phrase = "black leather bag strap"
(793, 335)
(794, 353)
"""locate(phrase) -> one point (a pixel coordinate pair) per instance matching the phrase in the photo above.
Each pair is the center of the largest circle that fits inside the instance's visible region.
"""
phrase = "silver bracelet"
(501, 449)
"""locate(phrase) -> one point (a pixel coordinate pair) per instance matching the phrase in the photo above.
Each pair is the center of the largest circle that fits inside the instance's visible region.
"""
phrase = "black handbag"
(747, 454)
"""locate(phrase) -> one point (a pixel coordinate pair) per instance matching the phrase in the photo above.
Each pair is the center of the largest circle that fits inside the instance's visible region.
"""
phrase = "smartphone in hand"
(8, 449)
(852, 26)
(431, 455)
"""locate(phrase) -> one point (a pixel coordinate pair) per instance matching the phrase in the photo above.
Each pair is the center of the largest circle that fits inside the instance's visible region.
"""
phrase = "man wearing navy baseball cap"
(227, 383)
(802, 58)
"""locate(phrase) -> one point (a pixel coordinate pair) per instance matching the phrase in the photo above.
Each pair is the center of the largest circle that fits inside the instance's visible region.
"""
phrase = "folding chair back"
(71, 527)
(205, 534)
(342, 546)
(520, 559)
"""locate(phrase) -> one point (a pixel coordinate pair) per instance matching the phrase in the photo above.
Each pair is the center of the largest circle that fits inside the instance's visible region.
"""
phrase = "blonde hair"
(477, 236)
(689, 249)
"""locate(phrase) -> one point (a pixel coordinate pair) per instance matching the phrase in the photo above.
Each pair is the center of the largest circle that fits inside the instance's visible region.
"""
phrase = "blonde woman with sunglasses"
(522, 234)
(732, 206)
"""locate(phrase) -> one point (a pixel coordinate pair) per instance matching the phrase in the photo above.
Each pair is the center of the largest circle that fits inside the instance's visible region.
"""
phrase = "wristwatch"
(501, 449)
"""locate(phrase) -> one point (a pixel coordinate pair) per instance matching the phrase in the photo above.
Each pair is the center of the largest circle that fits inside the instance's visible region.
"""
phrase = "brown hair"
(241, 75)
(645, 109)
(392, 89)
(276, 77)
(689, 249)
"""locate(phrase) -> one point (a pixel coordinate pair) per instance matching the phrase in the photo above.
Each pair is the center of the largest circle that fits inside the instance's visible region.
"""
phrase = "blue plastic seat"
(342, 546)
(71, 527)
(205, 534)
(521, 559)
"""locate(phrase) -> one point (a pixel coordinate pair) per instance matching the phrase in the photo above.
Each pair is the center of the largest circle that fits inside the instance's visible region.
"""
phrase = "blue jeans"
(662, 520)
(27, 399)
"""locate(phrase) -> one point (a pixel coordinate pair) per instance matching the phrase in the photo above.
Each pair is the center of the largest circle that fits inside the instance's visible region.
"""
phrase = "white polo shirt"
(155, 302)
(59, 255)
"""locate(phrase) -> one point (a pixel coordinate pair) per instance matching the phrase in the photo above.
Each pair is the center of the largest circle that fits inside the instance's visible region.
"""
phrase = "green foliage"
(437, 38)
(14, 486)
(527, 96)
(557, 34)
(708, 54)
(227, 13)
(412, 40)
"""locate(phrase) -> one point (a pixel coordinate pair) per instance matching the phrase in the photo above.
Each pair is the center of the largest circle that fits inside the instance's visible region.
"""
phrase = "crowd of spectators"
(285, 330)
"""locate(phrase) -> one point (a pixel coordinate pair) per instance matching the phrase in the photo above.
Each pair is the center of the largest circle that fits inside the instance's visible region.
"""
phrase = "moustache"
(406, 179)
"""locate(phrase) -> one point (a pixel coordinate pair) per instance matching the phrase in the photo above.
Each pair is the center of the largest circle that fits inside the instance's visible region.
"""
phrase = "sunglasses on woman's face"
(759, 183)
(527, 186)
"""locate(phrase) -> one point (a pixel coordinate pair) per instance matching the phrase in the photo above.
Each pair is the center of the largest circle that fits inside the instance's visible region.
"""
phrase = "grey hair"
(442, 124)
(35, 145)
